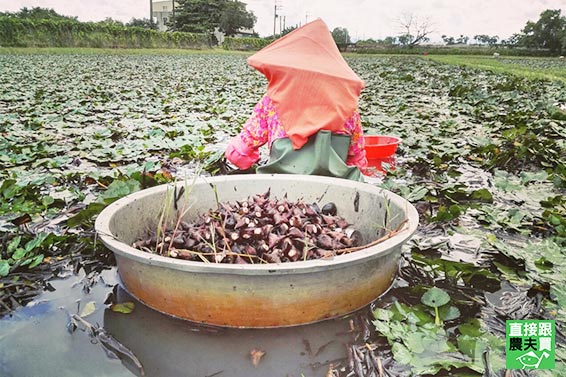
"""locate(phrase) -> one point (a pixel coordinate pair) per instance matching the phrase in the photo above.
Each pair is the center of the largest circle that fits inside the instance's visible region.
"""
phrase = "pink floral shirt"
(264, 126)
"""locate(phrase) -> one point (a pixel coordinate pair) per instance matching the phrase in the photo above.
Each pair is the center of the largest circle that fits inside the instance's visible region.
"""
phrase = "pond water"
(35, 340)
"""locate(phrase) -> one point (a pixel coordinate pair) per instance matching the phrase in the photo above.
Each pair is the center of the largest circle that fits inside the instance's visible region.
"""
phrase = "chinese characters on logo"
(530, 344)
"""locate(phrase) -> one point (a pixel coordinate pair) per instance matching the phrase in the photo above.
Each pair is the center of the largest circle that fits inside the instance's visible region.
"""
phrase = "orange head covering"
(310, 83)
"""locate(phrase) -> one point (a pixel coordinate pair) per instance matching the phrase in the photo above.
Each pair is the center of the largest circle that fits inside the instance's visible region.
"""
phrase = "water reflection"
(378, 167)
(35, 341)
(167, 346)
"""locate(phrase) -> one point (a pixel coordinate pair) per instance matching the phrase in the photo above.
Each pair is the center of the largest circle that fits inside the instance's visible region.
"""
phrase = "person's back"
(309, 117)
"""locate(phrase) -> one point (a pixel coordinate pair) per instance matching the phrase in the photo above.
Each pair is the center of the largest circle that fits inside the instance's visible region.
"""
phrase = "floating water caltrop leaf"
(88, 309)
(13, 244)
(448, 313)
(124, 307)
(118, 189)
(417, 194)
(4, 268)
(86, 214)
(528, 177)
(35, 261)
(19, 253)
(482, 195)
(435, 297)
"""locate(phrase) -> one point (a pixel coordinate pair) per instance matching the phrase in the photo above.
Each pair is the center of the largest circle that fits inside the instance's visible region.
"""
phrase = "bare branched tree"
(415, 29)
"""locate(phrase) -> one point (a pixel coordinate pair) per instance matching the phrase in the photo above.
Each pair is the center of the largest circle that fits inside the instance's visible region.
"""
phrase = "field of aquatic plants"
(483, 159)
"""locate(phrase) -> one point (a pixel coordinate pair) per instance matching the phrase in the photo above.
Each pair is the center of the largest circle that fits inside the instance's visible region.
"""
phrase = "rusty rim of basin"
(102, 227)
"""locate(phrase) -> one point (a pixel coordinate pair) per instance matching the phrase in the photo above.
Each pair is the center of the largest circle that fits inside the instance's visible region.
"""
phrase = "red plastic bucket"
(380, 149)
(380, 146)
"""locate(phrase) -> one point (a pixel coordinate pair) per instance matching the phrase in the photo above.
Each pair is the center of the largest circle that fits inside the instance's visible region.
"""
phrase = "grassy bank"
(533, 68)
(112, 51)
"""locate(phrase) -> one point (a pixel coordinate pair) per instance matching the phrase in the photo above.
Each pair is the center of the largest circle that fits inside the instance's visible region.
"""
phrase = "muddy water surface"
(35, 341)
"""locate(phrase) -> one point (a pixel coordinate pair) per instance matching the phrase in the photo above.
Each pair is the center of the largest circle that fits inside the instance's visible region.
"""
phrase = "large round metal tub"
(259, 295)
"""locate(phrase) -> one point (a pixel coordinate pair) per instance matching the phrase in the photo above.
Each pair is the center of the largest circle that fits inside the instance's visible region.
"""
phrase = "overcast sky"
(363, 18)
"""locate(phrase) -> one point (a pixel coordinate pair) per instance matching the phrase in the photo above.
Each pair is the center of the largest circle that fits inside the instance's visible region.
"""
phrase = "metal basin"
(259, 295)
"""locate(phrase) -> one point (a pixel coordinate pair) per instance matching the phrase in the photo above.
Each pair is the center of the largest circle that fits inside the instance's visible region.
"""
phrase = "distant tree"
(205, 16)
(513, 40)
(486, 39)
(448, 40)
(372, 43)
(367, 42)
(288, 29)
(111, 21)
(389, 41)
(341, 36)
(481, 38)
(197, 16)
(462, 40)
(145, 23)
(548, 32)
(38, 13)
(234, 17)
(493, 40)
(405, 39)
(415, 30)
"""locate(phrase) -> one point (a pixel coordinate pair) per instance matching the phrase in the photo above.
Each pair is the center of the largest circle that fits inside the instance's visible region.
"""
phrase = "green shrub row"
(69, 33)
(254, 44)
(245, 44)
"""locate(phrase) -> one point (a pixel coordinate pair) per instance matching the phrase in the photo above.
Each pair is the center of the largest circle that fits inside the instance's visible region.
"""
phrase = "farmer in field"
(309, 116)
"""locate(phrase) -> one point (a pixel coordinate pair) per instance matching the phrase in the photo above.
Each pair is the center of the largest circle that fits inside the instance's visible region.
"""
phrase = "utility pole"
(151, 12)
(275, 15)
(173, 14)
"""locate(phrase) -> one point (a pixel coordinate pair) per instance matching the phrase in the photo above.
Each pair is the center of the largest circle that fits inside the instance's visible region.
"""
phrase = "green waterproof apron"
(324, 153)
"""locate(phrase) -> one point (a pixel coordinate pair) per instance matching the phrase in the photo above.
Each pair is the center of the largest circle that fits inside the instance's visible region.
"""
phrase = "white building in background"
(162, 12)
